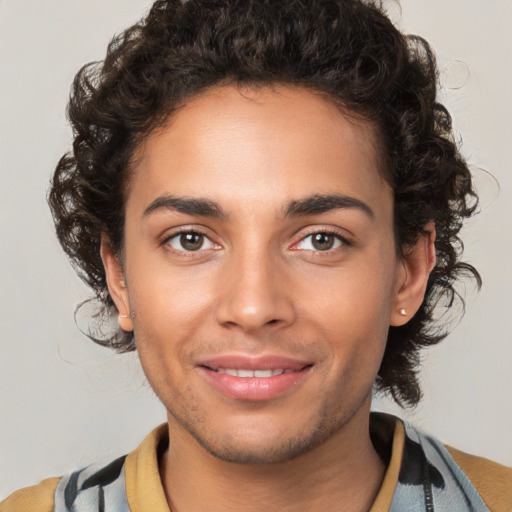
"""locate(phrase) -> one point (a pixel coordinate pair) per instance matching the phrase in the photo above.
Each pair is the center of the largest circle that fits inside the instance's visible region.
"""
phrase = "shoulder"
(492, 480)
(454, 478)
(86, 490)
(37, 498)
(100, 486)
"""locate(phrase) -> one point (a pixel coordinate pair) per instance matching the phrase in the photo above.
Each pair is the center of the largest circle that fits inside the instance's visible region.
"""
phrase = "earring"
(119, 317)
(402, 311)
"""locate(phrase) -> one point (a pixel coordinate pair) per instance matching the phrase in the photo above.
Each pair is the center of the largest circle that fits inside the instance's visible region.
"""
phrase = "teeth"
(263, 373)
(251, 373)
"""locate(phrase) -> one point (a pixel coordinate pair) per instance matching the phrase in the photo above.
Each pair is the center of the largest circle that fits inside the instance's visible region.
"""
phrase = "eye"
(321, 241)
(190, 241)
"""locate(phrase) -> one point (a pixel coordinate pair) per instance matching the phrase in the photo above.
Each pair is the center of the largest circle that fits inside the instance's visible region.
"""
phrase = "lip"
(254, 388)
(248, 362)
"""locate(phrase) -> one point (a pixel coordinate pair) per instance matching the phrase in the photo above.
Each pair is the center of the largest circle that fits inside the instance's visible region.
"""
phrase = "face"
(259, 270)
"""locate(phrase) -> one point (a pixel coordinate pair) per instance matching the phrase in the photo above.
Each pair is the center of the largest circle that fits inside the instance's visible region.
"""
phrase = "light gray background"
(64, 402)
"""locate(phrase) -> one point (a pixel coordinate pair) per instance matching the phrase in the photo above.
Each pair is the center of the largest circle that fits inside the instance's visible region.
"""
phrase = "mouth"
(249, 378)
(248, 374)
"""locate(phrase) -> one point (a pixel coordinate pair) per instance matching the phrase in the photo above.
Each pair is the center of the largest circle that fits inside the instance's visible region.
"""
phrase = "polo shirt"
(422, 475)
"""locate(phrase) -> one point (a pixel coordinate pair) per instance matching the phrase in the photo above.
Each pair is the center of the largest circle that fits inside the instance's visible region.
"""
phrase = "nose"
(254, 294)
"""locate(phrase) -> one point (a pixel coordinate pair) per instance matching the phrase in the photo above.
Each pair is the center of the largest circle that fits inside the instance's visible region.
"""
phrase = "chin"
(265, 453)
(275, 448)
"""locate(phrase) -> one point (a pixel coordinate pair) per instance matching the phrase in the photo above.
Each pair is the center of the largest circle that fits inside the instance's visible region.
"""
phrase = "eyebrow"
(190, 206)
(311, 205)
(319, 203)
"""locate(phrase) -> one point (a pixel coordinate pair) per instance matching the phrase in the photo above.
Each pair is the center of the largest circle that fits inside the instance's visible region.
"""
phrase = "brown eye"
(190, 241)
(323, 241)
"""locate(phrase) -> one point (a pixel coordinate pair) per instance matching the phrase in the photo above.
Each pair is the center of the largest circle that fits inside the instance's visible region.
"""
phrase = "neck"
(344, 472)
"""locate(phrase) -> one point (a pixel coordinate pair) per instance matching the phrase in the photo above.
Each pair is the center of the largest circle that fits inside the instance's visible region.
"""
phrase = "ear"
(412, 276)
(116, 284)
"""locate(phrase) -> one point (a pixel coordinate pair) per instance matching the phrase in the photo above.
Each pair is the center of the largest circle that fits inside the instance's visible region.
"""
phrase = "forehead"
(231, 142)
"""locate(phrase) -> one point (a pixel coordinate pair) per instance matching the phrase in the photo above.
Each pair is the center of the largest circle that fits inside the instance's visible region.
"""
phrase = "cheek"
(358, 296)
(351, 308)
(168, 304)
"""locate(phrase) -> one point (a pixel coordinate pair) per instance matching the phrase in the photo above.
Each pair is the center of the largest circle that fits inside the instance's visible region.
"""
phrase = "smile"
(247, 378)
(245, 374)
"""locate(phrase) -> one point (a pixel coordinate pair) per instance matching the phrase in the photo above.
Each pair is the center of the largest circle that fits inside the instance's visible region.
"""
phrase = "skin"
(258, 286)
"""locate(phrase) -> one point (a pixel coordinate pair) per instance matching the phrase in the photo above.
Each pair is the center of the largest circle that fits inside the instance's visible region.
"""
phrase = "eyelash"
(176, 235)
(343, 241)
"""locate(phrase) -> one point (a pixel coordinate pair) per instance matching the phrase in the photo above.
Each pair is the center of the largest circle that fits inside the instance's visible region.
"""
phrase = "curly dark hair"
(347, 50)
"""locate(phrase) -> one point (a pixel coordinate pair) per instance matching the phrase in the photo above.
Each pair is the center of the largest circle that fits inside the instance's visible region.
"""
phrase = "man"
(268, 197)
